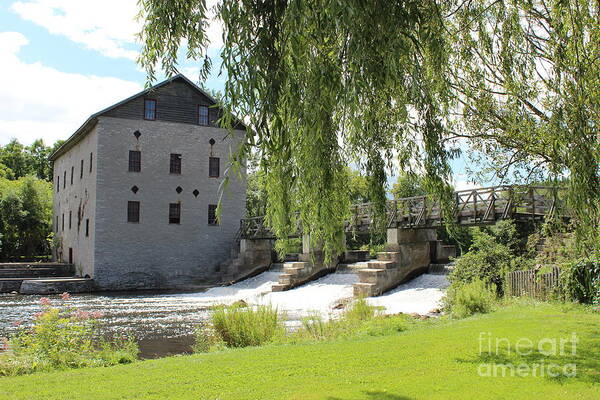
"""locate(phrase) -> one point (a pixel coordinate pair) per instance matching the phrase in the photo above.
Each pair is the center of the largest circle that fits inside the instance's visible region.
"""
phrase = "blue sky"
(63, 60)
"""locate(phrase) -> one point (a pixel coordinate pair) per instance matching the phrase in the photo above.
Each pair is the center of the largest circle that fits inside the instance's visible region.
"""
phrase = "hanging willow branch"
(321, 84)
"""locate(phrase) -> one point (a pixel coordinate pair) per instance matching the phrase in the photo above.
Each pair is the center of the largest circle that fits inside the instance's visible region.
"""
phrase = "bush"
(492, 254)
(62, 338)
(239, 326)
(467, 299)
(580, 281)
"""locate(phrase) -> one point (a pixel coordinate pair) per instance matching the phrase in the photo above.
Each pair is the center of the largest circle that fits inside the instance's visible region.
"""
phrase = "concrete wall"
(79, 199)
(154, 253)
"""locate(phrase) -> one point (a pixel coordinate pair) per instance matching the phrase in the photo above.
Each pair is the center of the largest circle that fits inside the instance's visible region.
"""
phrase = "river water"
(164, 323)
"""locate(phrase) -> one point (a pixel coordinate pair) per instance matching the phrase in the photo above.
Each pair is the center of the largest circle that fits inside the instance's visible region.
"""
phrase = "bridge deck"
(473, 207)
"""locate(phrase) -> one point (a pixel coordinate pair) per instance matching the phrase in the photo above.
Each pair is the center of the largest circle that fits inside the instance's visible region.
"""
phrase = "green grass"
(430, 360)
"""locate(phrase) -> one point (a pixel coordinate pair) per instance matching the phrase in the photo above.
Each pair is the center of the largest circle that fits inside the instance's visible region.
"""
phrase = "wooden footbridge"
(473, 207)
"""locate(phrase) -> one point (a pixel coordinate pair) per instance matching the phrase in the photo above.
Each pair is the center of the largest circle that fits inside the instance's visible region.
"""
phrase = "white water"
(420, 295)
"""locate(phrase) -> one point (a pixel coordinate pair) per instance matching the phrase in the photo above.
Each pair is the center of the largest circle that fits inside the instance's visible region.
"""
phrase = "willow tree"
(527, 76)
(320, 84)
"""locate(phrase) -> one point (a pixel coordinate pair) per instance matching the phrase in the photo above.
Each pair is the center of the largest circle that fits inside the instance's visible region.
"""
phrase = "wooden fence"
(531, 283)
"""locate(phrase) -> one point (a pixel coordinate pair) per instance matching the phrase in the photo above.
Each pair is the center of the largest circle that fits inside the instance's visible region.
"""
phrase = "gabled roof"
(91, 121)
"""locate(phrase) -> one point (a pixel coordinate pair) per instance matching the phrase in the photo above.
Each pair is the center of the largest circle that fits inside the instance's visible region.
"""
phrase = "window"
(72, 173)
(56, 226)
(175, 213)
(150, 109)
(87, 227)
(175, 165)
(91, 158)
(212, 214)
(214, 167)
(135, 161)
(70, 219)
(133, 211)
(81, 171)
(203, 115)
(57, 183)
(65, 179)
(63, 222)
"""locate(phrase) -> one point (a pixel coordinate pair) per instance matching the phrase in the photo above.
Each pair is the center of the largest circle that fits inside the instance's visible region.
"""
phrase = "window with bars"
(135, 161)
(175, 213)
(212, 214)
(150, 109)
(214, 167)
(133, 211)
(175, 164)
(203, 115)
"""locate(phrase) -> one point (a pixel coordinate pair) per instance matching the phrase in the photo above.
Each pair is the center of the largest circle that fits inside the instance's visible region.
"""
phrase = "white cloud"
(107, 26)
(37, 101)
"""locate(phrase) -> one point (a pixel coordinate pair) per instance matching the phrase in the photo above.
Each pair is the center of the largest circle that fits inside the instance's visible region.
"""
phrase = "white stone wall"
(77, 197)
(154, 253)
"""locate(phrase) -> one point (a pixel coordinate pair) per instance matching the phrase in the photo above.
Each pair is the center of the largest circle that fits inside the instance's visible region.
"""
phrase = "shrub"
(580, 281)
(62, 338)
(492, 254)
(244, 326)
(469, 298)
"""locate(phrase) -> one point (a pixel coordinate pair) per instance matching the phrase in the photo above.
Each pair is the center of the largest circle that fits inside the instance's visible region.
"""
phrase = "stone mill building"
(136, 189)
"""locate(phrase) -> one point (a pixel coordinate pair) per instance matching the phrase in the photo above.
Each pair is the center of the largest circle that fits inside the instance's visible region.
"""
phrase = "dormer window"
(203, 115)
(150, 109)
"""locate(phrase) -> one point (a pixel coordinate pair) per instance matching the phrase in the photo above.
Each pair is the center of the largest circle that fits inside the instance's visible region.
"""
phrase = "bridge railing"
(471, 207)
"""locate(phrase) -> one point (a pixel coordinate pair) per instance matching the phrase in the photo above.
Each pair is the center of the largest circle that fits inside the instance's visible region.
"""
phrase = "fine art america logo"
(537, 359)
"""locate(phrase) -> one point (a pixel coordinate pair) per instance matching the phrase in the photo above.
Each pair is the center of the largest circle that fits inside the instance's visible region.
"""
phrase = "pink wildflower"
(38, 314)
(96, 314)
(17, 323)
(80, 314)
(45, 301)
(65, 296)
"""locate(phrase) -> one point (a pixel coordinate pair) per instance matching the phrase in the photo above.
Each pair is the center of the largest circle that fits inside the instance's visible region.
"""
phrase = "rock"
(424, 317)
(240, 303)
(339, 306)
(436, 311)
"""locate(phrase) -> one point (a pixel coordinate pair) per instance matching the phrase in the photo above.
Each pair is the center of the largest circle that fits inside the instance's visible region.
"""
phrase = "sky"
(63, 60)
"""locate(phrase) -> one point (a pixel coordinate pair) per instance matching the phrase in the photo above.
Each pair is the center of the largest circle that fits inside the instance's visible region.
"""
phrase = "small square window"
(203, 115)
(212, 214)
(175, 164)
(135, 161)
(175, 213)
(149, 109)
(133, 211)
(214, 166)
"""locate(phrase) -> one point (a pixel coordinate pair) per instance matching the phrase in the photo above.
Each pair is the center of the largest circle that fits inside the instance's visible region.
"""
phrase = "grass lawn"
(437, 360)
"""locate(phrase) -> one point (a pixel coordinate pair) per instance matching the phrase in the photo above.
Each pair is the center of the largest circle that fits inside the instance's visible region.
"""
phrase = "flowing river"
(164, 323)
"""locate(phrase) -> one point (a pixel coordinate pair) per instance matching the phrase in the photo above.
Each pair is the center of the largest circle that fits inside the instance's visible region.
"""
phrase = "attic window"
(203, 115)
(150, 109)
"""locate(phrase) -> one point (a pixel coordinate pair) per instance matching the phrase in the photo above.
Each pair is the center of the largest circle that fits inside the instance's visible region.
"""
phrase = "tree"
(527, 76)
(408, 185)
(39, 161)
(320, 84)
(25, 217)
(14, 156)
